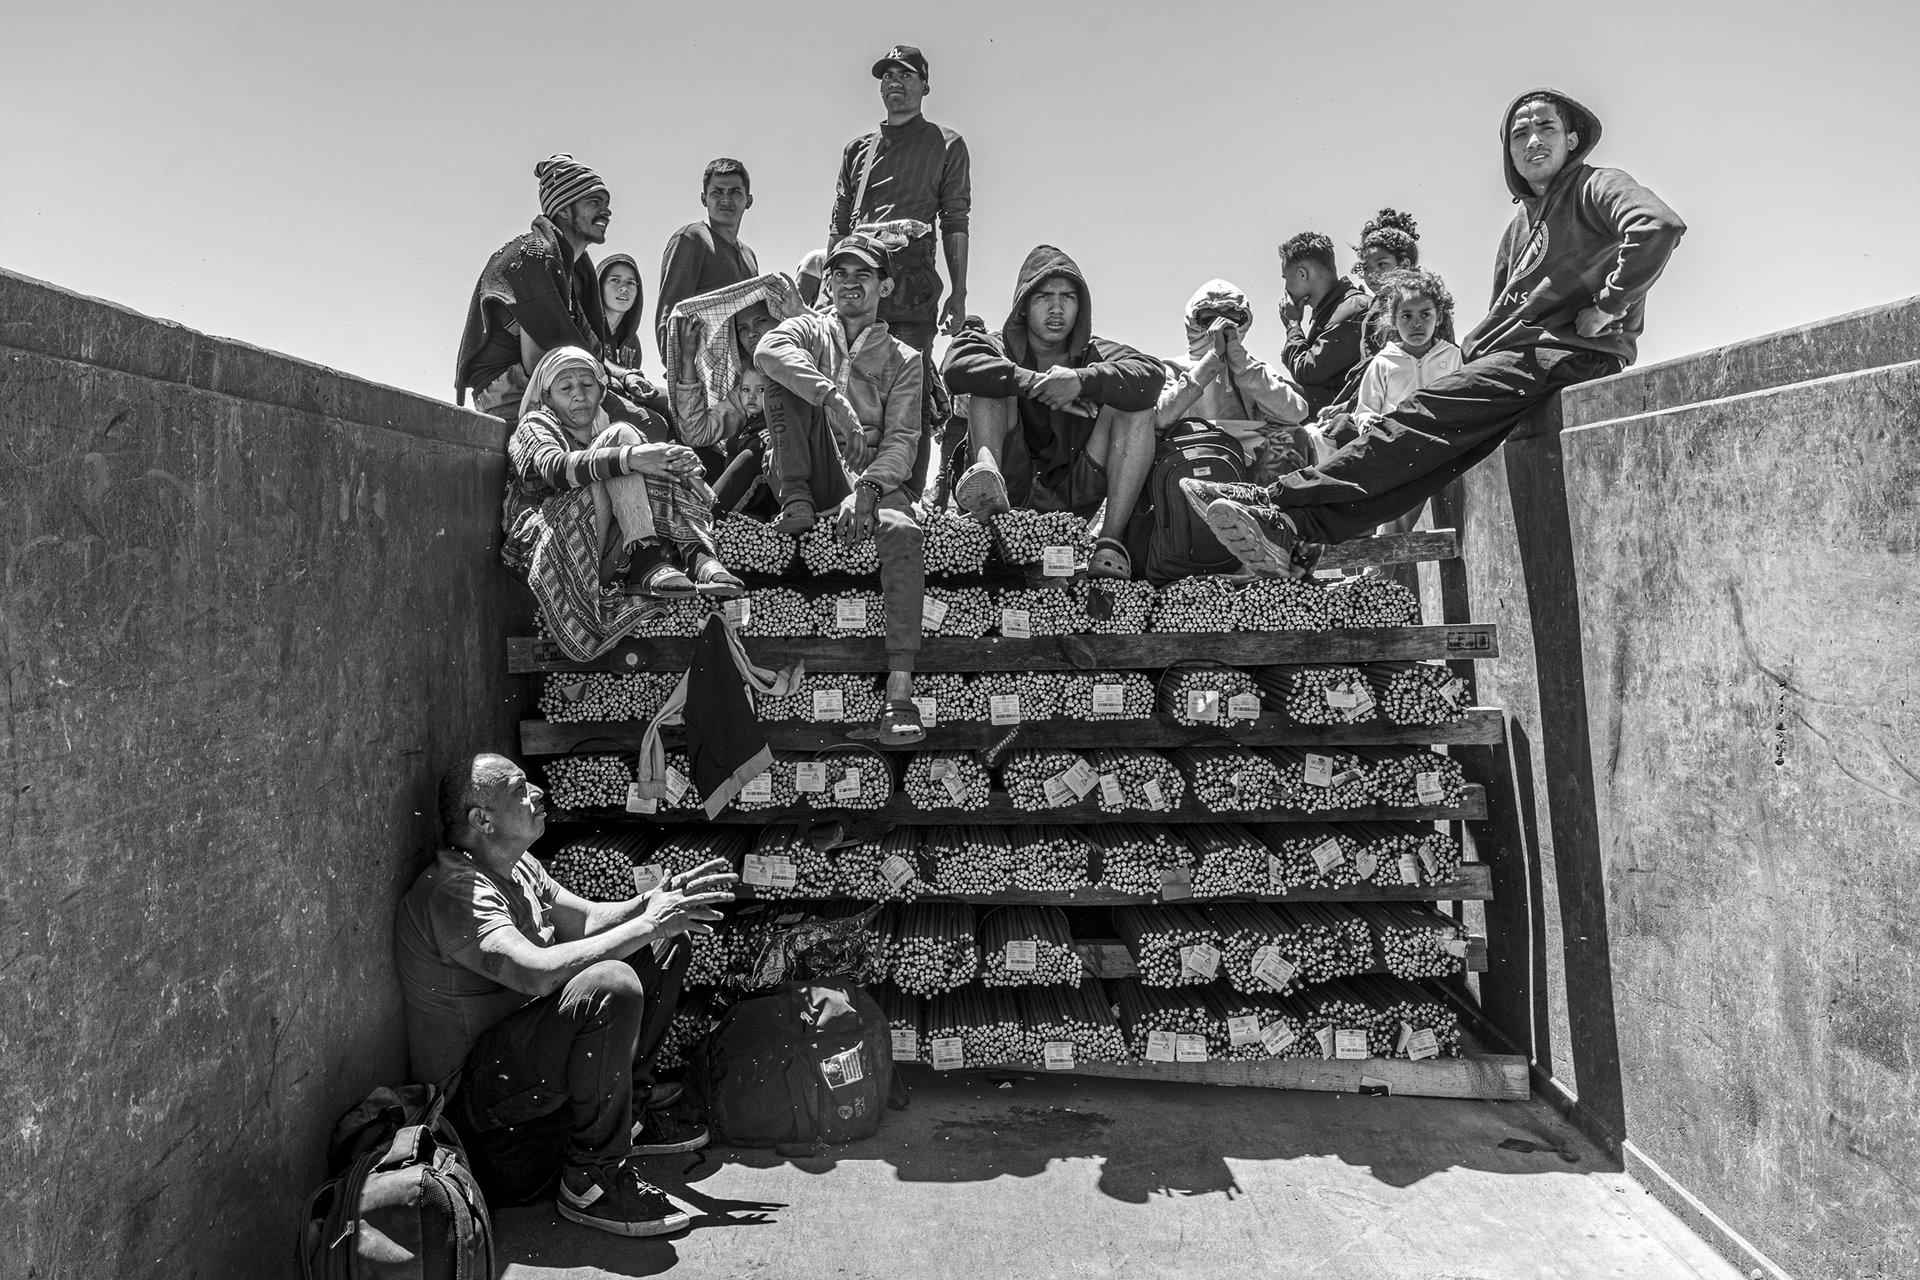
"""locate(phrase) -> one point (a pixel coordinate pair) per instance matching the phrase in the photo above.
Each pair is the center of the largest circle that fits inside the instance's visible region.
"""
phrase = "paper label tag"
(848, 788)
(739, 612)
(933, 613)
(1156, 798)
(677, 785)
(1110, 793)
(1429, 860)
(1057, 792)
(1245, 1030)
(1109, 699)
(956, 787)
(810, 776)
(929, 709)
(1326, 855)
(1161, 1046)
(829, 704)
(1454, 690)
(1004, 708)
(1457, 948)
(1057, 1055)
(906, 1044)
(1081, 777)
(1190, 1048)
(647, 877)
(1176, 884)
(843, 1069)
(1243, 706)
(1022, 955)
(1272, 968)
(1277, 1037)
(1349, 1044)
(1203, 705)
(1319, 771)
(1409, 869)
(1200, 960)
(1276, 874)
(1364, 863)
(1056, 562)
(1016, 624)
(759, 788)
(1363, 701)
(769, 871)
(850, 615)
(1426, 787)
(896, 871)
(1341, 698)
(1325, 1036)
(949, 1053)
(574, 690)
(1421, 1044)
(637, 803)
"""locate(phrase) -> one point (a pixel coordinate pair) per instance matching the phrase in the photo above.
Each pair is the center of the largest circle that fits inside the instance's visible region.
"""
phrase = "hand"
(667, 461)
(1592, 322)
(784, 300)
(637, 388)
(1057, 388)
(854, 452)
(858, 516)
(1225, 333)
(690, 330)
(672, 911)
(953, 315)
(715, 875)
(1292, 312)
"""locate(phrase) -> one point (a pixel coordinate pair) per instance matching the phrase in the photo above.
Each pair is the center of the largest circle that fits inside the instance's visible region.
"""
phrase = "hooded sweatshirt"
(536, 283)
(1596, 238)
(1002, 366)
(624, 348)
(1236, 387)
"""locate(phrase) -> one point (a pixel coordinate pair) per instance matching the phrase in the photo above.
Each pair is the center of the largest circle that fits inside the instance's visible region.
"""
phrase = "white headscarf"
(547, 372)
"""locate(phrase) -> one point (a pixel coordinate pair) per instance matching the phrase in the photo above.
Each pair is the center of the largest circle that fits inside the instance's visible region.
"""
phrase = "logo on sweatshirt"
(1532, 255)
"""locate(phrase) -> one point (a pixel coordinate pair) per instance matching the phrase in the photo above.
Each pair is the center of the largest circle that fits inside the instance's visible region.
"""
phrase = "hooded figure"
(1595, 238)
(1257, 404)
(623, 344)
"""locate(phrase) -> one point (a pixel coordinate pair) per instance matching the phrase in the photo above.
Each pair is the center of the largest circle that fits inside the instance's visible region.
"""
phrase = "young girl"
(620, 297)
(1420, 309)
(589, 503)
(1390, 241)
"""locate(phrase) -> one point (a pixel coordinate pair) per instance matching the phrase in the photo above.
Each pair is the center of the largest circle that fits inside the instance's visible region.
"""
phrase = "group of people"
(814, 397)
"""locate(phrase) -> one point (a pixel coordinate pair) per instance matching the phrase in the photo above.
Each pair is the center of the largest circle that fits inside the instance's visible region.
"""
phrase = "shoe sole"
(1240, 533)
(1190, 490)
(670, 1148)
(967, 494)
(721, 590)
(657, 1227)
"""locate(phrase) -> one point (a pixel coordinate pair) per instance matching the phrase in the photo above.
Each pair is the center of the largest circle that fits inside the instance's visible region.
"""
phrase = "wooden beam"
(1489, 1076)
(1481, 726)
(528, 656)
(1106, 958)
(1391, 548)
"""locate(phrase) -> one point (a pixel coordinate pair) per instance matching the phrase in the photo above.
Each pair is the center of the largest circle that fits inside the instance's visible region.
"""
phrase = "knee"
(610, 982)
(898, 529)
(619, 433)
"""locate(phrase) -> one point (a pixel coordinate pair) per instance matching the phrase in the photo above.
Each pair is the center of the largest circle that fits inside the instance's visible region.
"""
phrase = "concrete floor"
(1057, 1176)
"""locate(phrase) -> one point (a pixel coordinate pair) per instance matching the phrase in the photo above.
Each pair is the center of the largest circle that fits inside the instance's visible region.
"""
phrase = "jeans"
(1437, 435)
(806, 467)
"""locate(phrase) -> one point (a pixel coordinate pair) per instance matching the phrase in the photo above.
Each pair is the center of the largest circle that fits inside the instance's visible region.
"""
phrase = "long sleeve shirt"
(1321, 355)
(880, 376)
(1393, 375)
(697, 261)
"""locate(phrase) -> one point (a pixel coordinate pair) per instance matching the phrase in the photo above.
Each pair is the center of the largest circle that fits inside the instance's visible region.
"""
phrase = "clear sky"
(328, 179)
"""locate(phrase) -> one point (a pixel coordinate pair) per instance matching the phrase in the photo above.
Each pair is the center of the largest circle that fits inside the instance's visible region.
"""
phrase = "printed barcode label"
(1272, 968)
(850, 615)
(759, 869)
(1277, 1037)
(1341, 698)
(1057, 1055)
(1056, 562)
(1057, 792)
(1156, 798)
(1243, 1030)
(1176, 884)
(574, 690)
(949, 1053)
(933, 612)
(1454, 690)
(829, 704)
(1004, 708)
(1457, 948)
(1326, 855)
(1201, 960)
(1325, 1036)
(810, 776)
(677, 785)
(956, 788)
(1191, 1049)
(1243, 706)
(759, 788)
(1409, 869)
(1319, 771)
(906, 1044)
(637, 803)
(896, 871)
(1023, 955)
(1349, 1044)
(929, 709)
(1016, 624)
(739, 612)
(1203, 704)
(1426, 787)
(1364, 863)
(1110, 793)
(1109, 699)
(1161, 1046)
(1422, 1044)
(1081, 777)
(848, 788)
(648, 876)
(1429, 861)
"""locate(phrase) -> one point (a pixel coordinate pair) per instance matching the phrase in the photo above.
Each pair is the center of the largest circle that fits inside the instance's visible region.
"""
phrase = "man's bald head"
(469, 785)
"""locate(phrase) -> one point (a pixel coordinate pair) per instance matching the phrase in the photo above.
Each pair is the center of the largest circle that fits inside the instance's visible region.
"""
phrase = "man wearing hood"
(1570, 283)
(1230, 387)
(540, 291)
(704, 256)
(1060, 420)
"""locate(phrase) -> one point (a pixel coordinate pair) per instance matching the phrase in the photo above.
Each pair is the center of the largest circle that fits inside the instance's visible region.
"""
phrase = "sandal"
(712, 578)
(897, 726)
(655, 574)
(1109, 560)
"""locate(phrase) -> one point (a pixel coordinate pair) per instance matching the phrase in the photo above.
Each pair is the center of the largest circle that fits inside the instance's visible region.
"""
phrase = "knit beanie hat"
(564, 180)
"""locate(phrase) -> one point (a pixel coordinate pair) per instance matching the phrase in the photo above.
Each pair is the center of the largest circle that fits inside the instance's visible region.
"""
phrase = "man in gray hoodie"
(1570, 283)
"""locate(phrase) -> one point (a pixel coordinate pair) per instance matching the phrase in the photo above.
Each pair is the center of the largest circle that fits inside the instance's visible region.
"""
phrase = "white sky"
(328, 179)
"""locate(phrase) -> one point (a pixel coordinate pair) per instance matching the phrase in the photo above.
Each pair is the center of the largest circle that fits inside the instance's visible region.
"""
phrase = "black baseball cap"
(866, 248)
(902, 55)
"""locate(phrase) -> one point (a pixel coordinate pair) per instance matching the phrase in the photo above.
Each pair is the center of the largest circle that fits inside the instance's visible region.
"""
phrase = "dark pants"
(806, 466)
(740, 482)
(1436, 436)
(553, 1083)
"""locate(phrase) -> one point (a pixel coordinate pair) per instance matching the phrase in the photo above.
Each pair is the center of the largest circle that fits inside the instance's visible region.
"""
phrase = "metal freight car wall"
(249, 610)
(1713, 566)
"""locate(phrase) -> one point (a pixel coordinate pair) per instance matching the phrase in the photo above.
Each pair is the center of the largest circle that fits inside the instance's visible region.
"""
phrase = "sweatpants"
(806, 467)
(1434, 437)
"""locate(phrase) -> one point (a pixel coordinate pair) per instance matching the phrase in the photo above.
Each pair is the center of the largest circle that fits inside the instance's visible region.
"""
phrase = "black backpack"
(798, 1067)
(1168, 540)
(401, 1204)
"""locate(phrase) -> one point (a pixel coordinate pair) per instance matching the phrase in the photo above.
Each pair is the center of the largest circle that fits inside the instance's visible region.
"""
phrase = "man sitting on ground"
(1570, 284)
(1059, 420)
(548, 1001)
(843, 414)
(1324, 313)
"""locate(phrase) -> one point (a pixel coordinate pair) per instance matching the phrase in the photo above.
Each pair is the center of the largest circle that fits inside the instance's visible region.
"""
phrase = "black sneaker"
(664, 1094)
(618, 1200)
(661, 1133)
(1262, 538)
(1201, 493)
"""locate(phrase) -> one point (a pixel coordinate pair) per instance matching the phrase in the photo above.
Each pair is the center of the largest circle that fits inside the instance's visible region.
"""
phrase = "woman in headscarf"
(590, 503)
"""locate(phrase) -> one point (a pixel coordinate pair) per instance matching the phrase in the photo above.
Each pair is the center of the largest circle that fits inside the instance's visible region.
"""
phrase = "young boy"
(1419, 306)
(843, 414)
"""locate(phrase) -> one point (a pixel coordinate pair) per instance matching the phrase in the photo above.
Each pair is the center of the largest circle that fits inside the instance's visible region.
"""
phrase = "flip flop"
(898, 726)
(1109, 560)
(655, 574)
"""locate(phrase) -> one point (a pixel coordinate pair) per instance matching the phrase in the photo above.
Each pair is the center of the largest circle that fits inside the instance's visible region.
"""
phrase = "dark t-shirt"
(436, 947)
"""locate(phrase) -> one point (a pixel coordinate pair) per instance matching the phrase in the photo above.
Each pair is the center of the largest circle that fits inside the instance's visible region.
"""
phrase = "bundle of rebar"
(1413, 777)
(1048, 859)
(1319, 778)
(1163, 1025)
(600, 695)
(1263, 949)
(883, 870)
(954, 544)
(1042, 611)
(747, 545)
(1402, 1009)
(1372, 600)
(774, 787)
(1342, 1005)
(693, 1018)
(987, 1023)
(1111, 607)
(969, 859)
(588, 781)
(1416, 692)
(1306, 853)
(1023, 946)
(679, 781)
(1035, 695)
(950, 697)
(1281, 604)
(1046, 779)
(947, 780)
(1207, 695)
(1076, 1015)
(958, 611)
(673, 618)
(1201, 603)
(1227, 860)
(1144, 780)
(1228, 778)
(689, 846)
(1317, 695)
(1414, 940)
(1260, 1025)
(1106, 695)
(599, 867)
(1385, 851)
(1171, 946)
(779, 611)
(824, 553)
(906, 1023)
(1025, 536)
(848, 613)
(826, 698)
(928, 947)
(785, 864)
(1134, 857)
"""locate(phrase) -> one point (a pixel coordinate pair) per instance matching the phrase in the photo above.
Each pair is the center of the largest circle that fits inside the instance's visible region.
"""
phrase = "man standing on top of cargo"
(897, 184)
(1570, 283)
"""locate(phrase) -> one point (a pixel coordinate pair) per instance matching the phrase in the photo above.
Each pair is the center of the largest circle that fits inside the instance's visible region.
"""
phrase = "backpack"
(1169, 540)
(401, 1202)
(798, 1067)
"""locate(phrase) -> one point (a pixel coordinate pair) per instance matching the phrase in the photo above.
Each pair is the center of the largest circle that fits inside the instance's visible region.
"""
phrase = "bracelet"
(864, 483)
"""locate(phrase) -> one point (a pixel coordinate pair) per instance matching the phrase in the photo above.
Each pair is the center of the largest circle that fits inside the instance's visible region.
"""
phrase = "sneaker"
(661, 1133)
(982, 492)
(1261, 537)
(1200, 493)
(664, 1094)
(618, 1200)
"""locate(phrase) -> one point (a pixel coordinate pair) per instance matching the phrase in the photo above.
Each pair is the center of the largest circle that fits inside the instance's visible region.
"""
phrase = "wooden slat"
(1110, 959)
(1483, 726)
(999, 811)
(1391, 548)
(1494, 1077)
(527, 656)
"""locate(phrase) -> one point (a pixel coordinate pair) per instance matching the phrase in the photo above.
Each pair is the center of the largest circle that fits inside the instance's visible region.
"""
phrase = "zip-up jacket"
(880, 375)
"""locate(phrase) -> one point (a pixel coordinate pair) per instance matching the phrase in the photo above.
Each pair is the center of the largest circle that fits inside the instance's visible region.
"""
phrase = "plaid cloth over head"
(717, 364)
